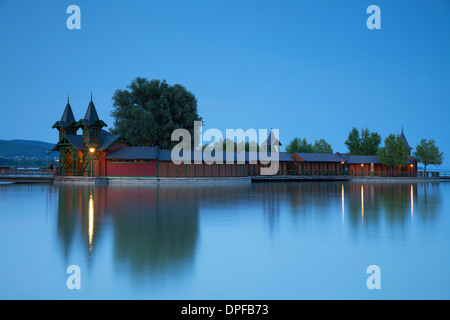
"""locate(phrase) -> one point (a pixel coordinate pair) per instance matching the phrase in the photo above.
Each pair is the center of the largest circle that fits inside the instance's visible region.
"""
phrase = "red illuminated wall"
(130, 169)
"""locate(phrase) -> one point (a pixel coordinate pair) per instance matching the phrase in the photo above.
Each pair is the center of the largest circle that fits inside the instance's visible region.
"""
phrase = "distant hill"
(25, 148)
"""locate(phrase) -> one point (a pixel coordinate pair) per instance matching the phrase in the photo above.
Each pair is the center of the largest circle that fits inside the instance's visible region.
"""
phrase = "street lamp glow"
(92, 150)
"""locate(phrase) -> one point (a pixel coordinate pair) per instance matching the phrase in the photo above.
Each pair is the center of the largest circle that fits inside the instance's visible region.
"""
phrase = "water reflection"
(156, 230)
(91, 222)
(343, 204)
(412, 202)
(211, 242)
(76, 216)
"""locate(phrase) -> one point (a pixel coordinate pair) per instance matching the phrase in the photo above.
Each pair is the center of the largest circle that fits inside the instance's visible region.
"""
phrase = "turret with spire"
(92, 127)
(67, 124)
(402, 136)
(271, 141)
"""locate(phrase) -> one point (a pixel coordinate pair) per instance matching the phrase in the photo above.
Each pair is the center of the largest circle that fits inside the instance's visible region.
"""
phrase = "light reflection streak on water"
(91, 223)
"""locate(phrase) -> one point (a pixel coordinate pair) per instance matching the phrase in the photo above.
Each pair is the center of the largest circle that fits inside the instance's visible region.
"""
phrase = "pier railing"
(444, 175)
(428, 174)
(39, 172)
(353, 173)
(395, 174)
(45, 172)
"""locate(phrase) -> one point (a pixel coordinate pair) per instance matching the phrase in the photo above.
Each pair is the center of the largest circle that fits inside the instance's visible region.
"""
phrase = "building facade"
(96, 152)
(83, 155)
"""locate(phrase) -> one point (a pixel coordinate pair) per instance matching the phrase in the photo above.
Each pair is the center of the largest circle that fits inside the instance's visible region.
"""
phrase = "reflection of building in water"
(363, 204)
(76, 216)
(428, 200)
(271, 194)
(155, 229)
(412, 202)
(91, 222)
(395, 202)
(343, 203)
(320, 195)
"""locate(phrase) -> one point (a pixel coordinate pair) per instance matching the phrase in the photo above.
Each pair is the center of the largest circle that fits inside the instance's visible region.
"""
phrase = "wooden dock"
(25, 179)
(27, 176)
(444, 176)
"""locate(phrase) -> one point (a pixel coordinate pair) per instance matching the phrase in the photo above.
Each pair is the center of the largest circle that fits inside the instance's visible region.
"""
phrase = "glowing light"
(92, 150)
(91, 222)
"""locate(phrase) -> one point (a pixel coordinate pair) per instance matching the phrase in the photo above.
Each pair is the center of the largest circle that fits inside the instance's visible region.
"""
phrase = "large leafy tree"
(364, 143)
(428, 153)
(149, 111)
(394, 152)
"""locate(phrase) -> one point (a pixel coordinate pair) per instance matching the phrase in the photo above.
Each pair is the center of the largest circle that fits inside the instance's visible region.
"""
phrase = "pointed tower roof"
(402, 136)
(271, 140)
(67, 118)
(91, 113)
(91, 116)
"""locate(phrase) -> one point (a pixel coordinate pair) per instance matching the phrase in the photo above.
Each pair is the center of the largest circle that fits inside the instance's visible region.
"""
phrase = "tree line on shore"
(366, 143)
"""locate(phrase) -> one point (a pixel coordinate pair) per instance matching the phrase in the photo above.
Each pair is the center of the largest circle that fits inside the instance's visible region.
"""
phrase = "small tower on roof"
(402, 136)
(67, 124)
(271, 141)
(92, 127)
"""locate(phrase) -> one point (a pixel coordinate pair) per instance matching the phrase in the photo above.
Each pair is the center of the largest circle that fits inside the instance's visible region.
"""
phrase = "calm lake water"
(259, 241)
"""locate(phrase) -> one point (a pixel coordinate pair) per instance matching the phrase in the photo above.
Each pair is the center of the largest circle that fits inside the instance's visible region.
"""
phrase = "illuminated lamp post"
(92, 150)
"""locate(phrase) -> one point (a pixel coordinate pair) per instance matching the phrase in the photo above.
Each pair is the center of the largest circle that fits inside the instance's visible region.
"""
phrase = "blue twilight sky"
(310, 68)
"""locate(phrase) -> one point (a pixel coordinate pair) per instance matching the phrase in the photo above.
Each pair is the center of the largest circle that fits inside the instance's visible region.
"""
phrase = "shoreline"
(229, 180)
